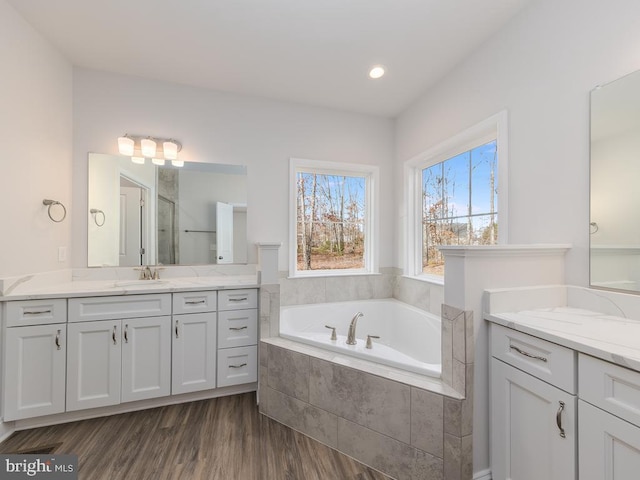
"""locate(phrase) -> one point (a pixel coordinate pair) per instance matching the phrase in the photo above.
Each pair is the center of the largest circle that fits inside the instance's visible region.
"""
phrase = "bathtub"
(409, 337)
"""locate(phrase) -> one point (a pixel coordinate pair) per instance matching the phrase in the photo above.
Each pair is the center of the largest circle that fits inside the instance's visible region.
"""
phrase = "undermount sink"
(134, 283)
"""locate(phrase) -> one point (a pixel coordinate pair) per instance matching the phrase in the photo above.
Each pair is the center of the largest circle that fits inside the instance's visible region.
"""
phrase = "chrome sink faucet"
(351, 335)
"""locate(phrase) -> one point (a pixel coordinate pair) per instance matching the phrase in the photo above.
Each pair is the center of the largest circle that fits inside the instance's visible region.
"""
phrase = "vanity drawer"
(237, 299)
(237, 328)
(35, 312)
(547, 361)
(237, 366)
(611, 387)
(120, 306)
(194, 302)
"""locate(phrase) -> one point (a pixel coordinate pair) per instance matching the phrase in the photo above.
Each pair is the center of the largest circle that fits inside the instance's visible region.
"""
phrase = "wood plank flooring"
(222, 439)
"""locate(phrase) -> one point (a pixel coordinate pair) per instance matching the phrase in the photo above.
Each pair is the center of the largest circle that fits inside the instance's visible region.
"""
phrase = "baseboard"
(6, 429)
(482, 475)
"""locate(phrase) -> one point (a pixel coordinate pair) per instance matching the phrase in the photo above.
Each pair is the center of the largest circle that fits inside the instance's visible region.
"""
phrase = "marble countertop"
(611, 338)
(91, 288)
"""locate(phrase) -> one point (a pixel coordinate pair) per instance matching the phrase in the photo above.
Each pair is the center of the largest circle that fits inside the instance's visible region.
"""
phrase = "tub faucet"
(351, 335)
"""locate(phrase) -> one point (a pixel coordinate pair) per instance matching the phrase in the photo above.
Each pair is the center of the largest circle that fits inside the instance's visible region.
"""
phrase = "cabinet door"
(194, 352)
(93, 364)
(146, 358)
(35, 379)
(609, 447)
(528, 418)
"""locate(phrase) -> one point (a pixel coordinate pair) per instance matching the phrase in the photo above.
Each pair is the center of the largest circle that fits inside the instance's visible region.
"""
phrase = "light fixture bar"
(140, 147)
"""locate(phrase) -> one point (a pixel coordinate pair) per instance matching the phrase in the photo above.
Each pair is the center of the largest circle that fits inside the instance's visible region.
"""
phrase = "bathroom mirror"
(144, 214)
(615, 185)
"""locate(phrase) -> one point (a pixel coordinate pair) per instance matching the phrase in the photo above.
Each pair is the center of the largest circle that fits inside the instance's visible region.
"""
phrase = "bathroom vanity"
(100, 347)
(565, 385)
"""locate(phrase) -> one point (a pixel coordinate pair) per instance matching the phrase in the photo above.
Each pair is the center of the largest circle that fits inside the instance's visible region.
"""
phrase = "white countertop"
(91, 288)
(611, 338)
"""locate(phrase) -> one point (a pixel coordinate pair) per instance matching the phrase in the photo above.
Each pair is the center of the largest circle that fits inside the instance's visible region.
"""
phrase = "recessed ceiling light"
(376, 71)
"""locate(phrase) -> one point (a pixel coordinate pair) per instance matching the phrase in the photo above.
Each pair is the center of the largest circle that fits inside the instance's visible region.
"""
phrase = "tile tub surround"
(392, 425)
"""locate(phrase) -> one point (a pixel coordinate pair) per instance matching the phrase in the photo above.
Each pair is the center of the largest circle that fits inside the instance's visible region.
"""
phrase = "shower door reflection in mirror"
(615, 185)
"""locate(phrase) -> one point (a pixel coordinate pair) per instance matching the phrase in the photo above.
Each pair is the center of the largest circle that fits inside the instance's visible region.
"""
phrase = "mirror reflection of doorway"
(133, 215)
(167, 251)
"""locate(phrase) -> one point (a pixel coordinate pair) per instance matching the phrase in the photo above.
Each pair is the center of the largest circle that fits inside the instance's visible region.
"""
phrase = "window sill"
(432, 279)
(329, 273)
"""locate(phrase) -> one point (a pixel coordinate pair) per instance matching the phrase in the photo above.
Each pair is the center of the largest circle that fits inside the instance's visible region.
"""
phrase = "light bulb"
(125, 146)
(177, 163)
(157, 161)
(377, 71)
(170, 149)
(138, 160)
(148, 147)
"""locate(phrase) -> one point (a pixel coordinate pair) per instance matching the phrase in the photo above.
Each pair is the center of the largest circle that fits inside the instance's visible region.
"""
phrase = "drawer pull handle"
(58, 340)
(238, 328)
(177, 335)
(196, 302)
(243, 299)
(238, 366)
(527, 354)
(36, 312)
(126, 334)
(113, 335)
(559, 420)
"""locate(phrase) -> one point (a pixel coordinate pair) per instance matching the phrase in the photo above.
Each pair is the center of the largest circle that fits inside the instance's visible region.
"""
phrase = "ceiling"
(315, 52)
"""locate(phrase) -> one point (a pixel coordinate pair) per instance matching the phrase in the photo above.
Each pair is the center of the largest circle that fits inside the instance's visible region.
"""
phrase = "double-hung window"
(457, 191)
(332, 218)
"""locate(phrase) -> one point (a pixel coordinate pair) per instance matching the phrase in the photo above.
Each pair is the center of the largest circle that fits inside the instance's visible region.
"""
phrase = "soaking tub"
(409, 337)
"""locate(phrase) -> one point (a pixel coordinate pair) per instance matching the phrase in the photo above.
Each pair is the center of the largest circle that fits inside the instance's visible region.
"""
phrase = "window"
(456, 191)
(332, 218)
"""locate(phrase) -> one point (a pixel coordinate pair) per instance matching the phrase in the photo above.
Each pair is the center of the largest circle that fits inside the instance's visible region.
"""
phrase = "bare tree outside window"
(330, 222)
(459, 199)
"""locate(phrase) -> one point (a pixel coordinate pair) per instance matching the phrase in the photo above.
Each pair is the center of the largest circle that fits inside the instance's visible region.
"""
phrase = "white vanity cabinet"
(609, 421)
(533, 408)
(97, 352)
(237, 337)
(35, 347)
(194, 333)
(124, 356)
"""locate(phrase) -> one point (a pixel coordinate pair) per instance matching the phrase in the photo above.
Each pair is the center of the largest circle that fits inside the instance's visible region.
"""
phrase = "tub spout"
(351, 335)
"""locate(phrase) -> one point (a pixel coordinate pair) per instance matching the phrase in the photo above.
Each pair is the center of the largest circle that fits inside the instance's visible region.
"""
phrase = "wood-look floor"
(223, 438)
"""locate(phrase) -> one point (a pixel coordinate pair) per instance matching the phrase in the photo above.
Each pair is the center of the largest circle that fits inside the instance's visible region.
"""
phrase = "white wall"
(540, 68)
(225, 128)
(35, 126)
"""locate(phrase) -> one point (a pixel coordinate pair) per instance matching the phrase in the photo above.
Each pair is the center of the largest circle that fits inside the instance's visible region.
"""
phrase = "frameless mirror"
(144, 214)
(615, 181)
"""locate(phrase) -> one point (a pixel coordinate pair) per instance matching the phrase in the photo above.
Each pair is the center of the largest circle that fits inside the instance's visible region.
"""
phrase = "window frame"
(492, 128)
(371, 175)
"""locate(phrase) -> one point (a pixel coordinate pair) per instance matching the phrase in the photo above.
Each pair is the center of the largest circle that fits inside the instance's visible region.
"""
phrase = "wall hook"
(594, 227)
(51, 203)
(96, 212)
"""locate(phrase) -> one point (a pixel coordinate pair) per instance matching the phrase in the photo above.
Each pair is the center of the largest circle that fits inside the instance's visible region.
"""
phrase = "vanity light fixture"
(140, 148)
(377, 71)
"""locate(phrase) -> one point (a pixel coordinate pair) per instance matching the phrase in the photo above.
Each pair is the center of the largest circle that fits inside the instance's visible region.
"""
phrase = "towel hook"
(96, 212)
(594, 227)
(51, 203)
